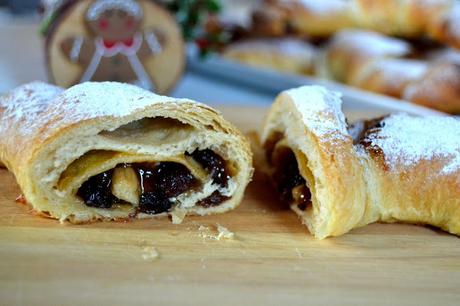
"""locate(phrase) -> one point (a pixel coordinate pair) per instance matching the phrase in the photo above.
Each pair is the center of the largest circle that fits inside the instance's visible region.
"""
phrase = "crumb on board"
(178, 216)
(203, 264)
(150, 253)
(224, 233)
(218, 233)
(205, 232)
(299, 254)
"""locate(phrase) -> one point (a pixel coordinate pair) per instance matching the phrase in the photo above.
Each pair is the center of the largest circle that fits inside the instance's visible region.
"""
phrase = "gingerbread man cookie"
(128, 41)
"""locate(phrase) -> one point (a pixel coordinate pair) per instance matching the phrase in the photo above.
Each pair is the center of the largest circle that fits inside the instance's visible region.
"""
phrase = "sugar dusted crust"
(399, 168)
(438, 19)
(378, 63)
(314, 128)
(44, 130)
(285, 54)
(409, 140)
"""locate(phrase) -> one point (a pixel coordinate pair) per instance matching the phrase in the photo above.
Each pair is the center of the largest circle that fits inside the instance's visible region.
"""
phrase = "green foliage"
(45, 24)
(192, 14)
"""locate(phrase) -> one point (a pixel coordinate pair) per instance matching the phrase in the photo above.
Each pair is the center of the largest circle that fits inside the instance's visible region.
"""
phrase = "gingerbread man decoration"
(116, 47)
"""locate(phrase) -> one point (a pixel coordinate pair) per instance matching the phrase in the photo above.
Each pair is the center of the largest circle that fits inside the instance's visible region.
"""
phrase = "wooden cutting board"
(271, 260)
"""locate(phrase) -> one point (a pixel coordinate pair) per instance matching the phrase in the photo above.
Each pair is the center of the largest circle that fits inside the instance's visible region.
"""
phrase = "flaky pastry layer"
(55, 140)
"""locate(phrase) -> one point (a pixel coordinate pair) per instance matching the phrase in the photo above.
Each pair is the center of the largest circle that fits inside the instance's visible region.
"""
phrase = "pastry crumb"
(224, 233)
(178, 216)
(203, 264)
(205, 232)
(299, 254)
(218, 233)
(150, 253)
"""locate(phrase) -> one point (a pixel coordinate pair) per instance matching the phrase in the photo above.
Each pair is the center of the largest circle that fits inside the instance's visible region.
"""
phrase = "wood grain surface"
(272, 259)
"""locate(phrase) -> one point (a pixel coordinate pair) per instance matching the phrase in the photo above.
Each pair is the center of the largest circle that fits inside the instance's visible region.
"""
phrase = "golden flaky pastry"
(397, 168)
(438, 20)
(113, 151)
(383, 64)
(285, 54)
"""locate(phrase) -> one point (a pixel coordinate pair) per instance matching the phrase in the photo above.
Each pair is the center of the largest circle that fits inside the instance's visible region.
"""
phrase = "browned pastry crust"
(446, 28)
(307, 17)
(282, 54)
(381, 64)
(112, 151)
(407, 18)
(269, 21)
(398, 168)
(439, 88)
(439, 20)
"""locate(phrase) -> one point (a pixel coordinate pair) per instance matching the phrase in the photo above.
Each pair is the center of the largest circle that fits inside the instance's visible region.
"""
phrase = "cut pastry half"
(337, 177)
(114, 151)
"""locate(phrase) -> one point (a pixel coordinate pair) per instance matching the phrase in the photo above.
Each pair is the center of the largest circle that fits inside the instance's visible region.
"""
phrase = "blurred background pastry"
(283, 54)
(405, 49)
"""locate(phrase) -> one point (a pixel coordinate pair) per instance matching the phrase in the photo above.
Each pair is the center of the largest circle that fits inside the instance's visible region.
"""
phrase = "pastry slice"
(288, 55)
(337, 177)
(114, 151)
(381, 64)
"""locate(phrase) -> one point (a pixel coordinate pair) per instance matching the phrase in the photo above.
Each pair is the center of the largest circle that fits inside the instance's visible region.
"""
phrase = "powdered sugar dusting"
(286, 46)
(407, 140)
(452, 167)
(454, 22)
(402, 69)
(446, 55)
(321, 110)
(322, 7)
(21, 108)
(90, 100)
(29, 108)
(371, 43)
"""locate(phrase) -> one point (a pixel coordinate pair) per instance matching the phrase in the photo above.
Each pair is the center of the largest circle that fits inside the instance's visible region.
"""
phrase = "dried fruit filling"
(96, 191)
(364, 131)
(290, 184)
(159, 183)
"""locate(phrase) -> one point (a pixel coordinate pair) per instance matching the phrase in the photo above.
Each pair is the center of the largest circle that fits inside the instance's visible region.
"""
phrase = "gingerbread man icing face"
(117, 46)
(114, 23)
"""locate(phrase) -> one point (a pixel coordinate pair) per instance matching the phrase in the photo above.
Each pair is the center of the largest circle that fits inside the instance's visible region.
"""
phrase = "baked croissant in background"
(289, 55)
(346, 41)
(114, 151)
(438, 20)
(336, 177)
(390, 66)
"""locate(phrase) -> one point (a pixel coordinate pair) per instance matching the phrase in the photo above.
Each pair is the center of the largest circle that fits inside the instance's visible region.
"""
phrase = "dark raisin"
(96, 191)
(168, 179)
(213, 163)
(213, 200)
(161, 182)
(287, 174)
(153, 203)
(302, 196)
(146, 176)
(173, 179)
(302, 206)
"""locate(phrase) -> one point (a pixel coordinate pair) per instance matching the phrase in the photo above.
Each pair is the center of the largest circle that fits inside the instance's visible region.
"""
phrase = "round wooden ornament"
(132, 41)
